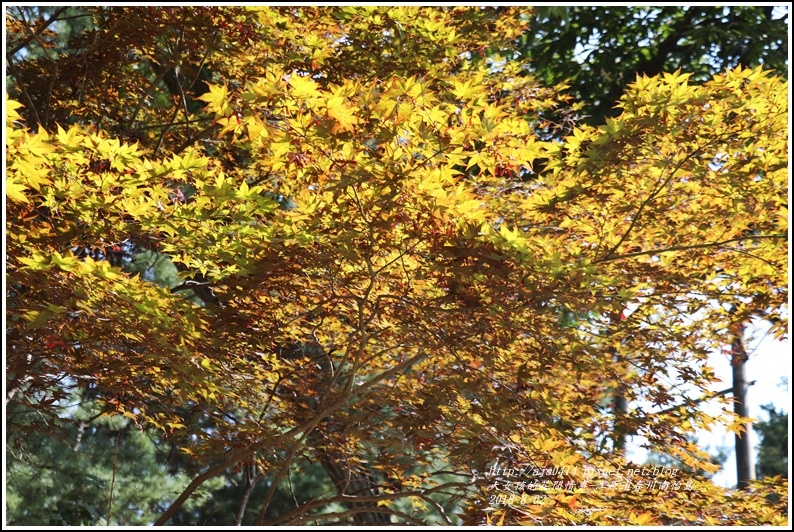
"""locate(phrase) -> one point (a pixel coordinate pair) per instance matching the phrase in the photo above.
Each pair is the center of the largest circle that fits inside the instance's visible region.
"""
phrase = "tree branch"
(15, 73)
(694, 402)
(609, 258)
(647, 201)
(36, 33)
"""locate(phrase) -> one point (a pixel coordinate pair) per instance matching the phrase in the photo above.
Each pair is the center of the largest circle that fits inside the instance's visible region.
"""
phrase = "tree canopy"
(386, 283)
(599, 49)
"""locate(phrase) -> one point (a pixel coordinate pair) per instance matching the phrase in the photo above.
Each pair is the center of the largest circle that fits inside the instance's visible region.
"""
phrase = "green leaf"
(15, 191)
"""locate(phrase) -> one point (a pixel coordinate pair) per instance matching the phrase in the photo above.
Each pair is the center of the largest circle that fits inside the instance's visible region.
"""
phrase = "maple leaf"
(11, 106)
(303, 87)
(217, 99)
(16, 191)
(339, 110)
(357, 274)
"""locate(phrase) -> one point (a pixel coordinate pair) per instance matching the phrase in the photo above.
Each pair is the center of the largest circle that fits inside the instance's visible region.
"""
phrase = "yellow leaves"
(739, 425)
(676, 78)
(667, 258)
(470, 210)
(66, 263)
(281, 146)
(217, 100)
(256, 129)
(406, 112)
(36, 318)
(339, 110)
(266, 88)
(455, 202)
(436, 116)
(36, 146)
(396, 153)
(74, 138)
(229, 123)
(464, 90)
(570, 460)
(115, 151)
(27, 170)
(493, 112)
(137, 208)
(15, 191)
(434, 183)
(130, 415)
(641, 519)
(189, 160)
(37, 261)
(410, 87)
(571, 501)
(384, 108)
(223, 187)
(781, 221)
(580, 135)
(510, 235)
(303, 87)
(512, 239)
(433, 26)
(11, 107)
(380, 215)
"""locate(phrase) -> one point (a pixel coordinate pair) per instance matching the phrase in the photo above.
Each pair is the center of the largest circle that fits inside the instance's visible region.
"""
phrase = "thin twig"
(113, 476)
(163, 72)
(165, 130)
(15, 73)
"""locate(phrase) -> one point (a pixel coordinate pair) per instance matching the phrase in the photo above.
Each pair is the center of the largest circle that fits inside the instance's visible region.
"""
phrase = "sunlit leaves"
(344, 115)
(11, 106)
(303, 87)
(389, 272)
(15, 191)
(217, 100)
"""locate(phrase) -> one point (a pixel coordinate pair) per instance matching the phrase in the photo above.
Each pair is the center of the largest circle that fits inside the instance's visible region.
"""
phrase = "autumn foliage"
(411, 272)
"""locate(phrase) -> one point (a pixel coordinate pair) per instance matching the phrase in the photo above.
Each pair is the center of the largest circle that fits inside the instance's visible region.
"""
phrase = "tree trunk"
(250, 476)
(351, 481)
(620, 411)
(620, 406)
(744, 452)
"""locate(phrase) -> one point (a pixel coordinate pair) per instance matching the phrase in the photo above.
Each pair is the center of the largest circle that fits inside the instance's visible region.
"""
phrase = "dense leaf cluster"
(389, 288)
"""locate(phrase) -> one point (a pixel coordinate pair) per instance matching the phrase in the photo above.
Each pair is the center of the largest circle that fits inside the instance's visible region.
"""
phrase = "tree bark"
(744, 452)
(250, 475)
(352, 481)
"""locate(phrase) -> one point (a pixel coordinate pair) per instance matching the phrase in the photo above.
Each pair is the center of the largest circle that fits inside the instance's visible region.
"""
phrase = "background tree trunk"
(744, 452)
